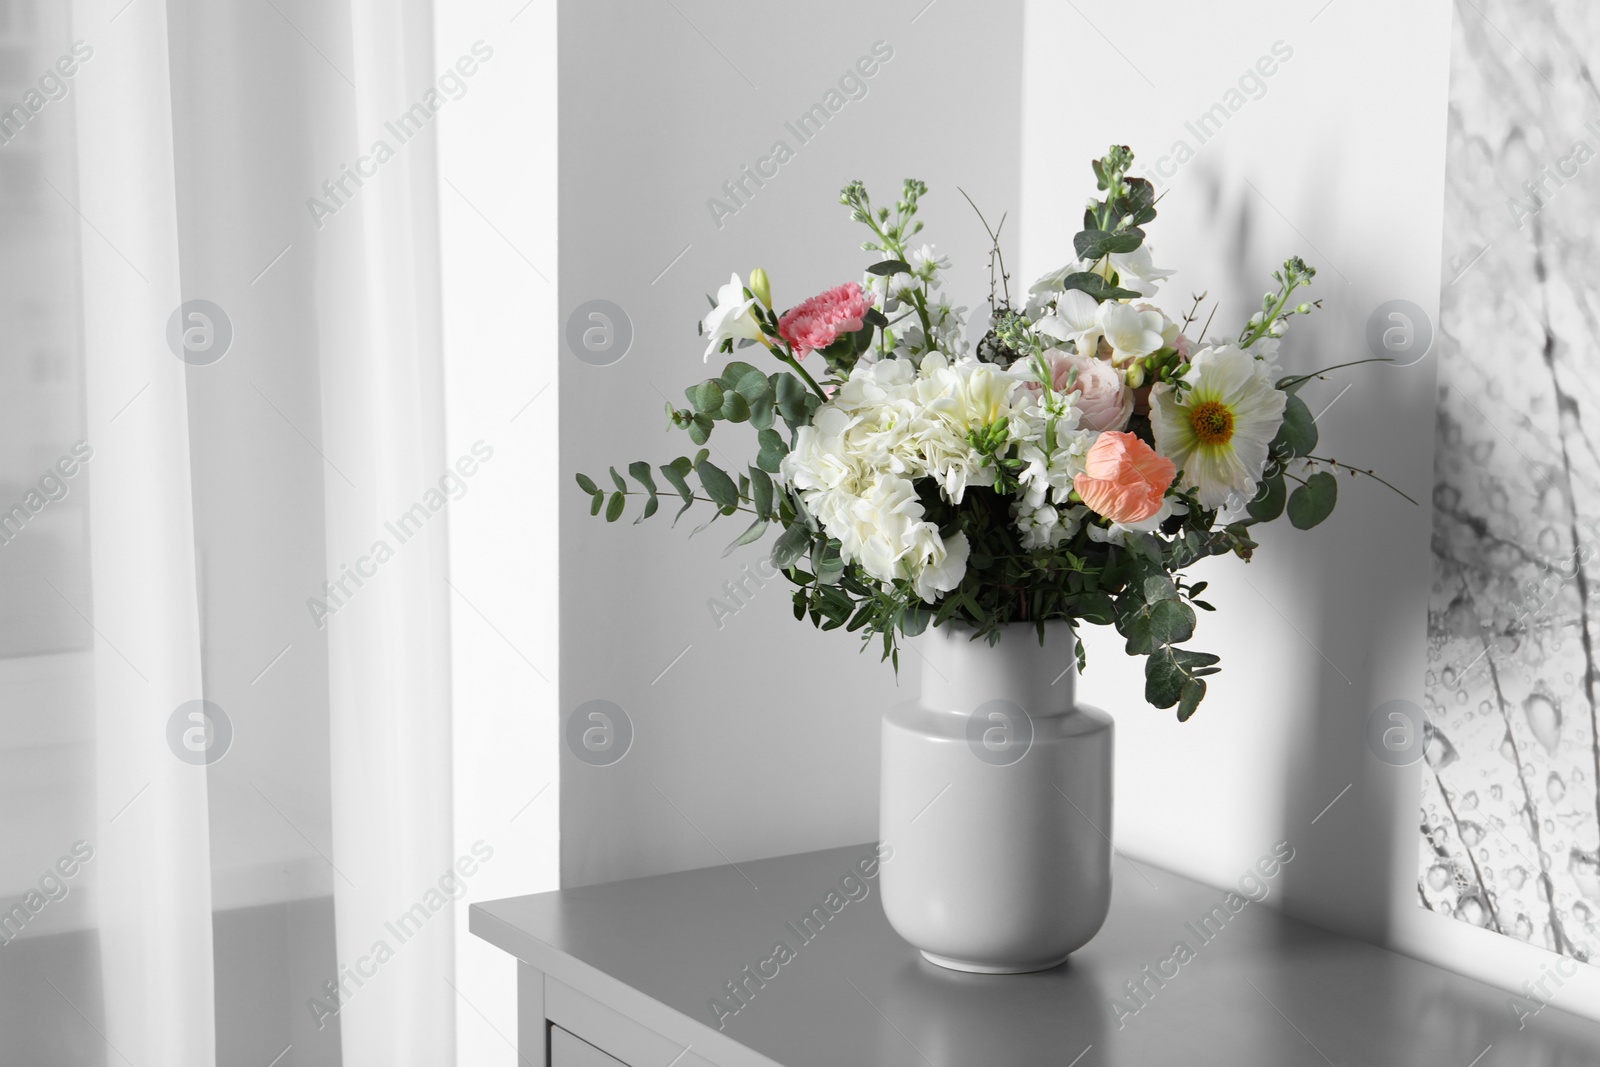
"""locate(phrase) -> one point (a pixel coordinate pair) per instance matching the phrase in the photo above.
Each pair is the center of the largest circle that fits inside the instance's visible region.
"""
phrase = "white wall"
(762, 738)
(1340, 159)
(497, 236)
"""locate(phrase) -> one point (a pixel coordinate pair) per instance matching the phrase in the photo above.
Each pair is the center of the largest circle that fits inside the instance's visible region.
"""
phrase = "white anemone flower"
(1218, 430)
(731, 318)
(1131, 332)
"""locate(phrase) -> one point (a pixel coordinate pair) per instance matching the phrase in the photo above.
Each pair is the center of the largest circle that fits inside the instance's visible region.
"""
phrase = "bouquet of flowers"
(1068, 466)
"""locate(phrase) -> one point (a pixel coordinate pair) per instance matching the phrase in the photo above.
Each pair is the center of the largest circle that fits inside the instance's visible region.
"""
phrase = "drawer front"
(635, 1039)
(567, 1050)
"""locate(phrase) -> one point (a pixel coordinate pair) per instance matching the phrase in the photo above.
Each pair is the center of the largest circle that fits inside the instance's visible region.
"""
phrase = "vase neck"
(960, 674)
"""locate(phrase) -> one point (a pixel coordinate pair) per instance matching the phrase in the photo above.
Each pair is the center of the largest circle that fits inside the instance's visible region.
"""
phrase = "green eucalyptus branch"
(1370, 474)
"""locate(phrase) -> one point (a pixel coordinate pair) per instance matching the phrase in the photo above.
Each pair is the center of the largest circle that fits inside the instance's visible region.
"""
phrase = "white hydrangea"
(892, 423)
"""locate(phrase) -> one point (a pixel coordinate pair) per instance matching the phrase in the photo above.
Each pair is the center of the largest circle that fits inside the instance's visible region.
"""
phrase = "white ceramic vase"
(996, 802)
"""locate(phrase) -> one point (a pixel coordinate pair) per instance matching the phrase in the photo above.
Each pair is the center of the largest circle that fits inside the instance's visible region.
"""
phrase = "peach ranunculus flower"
(1104, 400)
(1124, 478)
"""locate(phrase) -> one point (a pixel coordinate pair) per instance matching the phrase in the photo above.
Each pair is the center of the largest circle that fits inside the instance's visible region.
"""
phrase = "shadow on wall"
(1358, 596)
(1351, 591)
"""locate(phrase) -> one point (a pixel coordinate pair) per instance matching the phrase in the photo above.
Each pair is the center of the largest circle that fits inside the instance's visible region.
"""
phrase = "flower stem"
(1290, 383)
(795, 363)
(1369, 474)
(706, 499)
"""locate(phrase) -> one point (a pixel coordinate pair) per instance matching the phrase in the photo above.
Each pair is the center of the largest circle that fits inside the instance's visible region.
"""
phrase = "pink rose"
(1124, 478)
(820, 321)
(1104, 400)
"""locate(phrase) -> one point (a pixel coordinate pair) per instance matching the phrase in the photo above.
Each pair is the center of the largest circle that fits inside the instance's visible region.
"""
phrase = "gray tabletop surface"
(1265, 990)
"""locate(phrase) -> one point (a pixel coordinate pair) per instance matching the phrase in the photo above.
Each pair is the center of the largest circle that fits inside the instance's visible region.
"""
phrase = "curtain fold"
(382, 397)
(151, 863)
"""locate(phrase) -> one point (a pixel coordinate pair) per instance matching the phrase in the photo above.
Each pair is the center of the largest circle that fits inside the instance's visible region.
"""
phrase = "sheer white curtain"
(151, 871)
(166, 896)
(389, 658)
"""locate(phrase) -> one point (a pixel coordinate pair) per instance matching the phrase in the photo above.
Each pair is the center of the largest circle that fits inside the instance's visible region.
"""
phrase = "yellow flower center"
(1212, 421)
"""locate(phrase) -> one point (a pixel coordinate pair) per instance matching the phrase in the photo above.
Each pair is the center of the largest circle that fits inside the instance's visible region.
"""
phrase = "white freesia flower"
(1131, 332)
(1169, 329)
(1119, 533)
(731, 318)
(968, 395)
(1218, 430)
(1137, 273)
(1076, 318)
(1041, 291)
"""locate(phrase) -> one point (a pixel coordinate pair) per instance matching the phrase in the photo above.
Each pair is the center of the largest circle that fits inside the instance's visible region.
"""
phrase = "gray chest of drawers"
(759, 966)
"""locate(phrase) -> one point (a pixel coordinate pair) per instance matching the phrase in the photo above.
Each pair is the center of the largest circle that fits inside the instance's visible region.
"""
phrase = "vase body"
(996, 803)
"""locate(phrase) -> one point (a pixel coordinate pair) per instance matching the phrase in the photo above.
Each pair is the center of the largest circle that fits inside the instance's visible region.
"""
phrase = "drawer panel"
(567, 1050)
(626, 1038)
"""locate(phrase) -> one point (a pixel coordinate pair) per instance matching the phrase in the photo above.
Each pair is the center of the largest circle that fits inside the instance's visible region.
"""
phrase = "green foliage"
(1313, 501)
(1097, 287)
(1268, 502)
(715, 481)
(1097, 244)
(753, 533)
(706, 396)
(791, 546)
(1177, 676)
(761, 489)
(772, 451)
(1298, 435)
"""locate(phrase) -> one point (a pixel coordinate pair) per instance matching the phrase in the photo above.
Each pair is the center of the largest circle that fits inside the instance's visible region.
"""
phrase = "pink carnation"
(1125, 479)
(823, 319)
